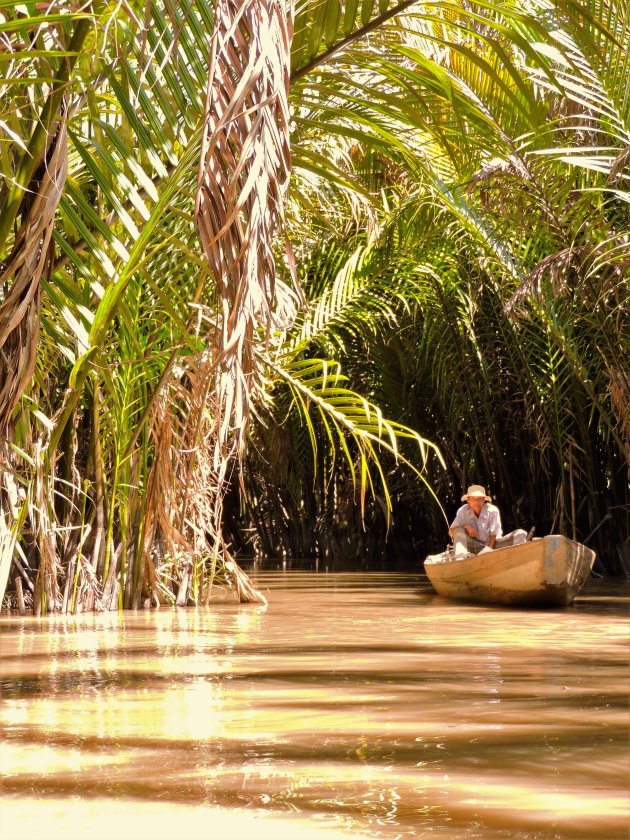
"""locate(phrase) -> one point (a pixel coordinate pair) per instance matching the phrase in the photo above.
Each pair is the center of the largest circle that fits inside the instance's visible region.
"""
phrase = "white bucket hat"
(476, 490)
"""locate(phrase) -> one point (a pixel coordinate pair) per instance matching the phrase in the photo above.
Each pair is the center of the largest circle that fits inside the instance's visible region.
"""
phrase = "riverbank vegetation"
(288, 291)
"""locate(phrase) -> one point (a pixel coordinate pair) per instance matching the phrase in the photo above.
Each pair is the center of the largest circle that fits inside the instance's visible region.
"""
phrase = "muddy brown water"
(352, 705)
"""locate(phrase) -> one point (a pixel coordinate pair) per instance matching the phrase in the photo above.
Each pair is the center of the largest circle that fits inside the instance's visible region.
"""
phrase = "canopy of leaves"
(458, 216)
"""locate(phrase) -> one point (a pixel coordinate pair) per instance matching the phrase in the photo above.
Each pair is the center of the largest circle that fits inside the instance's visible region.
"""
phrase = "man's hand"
(472, 532)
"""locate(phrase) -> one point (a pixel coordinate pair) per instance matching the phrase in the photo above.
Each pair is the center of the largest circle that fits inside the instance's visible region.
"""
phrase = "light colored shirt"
(488, 523)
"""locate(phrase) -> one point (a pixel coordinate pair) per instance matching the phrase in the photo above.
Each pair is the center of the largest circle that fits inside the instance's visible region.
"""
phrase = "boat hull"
(547, 572)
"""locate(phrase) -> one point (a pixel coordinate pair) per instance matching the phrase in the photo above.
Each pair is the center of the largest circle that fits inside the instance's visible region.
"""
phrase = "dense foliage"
(458, 214)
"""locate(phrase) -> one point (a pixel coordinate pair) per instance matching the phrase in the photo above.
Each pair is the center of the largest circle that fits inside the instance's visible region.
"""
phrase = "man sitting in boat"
(477, 524)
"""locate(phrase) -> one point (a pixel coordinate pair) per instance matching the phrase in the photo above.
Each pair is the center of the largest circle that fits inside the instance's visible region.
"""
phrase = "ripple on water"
(349, 706)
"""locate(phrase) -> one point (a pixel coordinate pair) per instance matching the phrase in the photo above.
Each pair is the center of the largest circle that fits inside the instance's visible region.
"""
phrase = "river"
(352, 705)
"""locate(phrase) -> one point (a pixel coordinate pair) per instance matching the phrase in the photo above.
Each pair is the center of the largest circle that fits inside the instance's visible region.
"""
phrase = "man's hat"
(476, 490)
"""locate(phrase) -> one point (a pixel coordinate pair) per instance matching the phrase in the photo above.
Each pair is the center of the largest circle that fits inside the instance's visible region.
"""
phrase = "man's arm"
(495, 528)
(459, 522)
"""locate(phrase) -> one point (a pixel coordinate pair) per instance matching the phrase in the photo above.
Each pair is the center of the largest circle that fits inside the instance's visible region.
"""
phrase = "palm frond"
(319, 384)
(243, 177)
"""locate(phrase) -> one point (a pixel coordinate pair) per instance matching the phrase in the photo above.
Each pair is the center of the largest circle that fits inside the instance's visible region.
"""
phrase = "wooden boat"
(546, 572)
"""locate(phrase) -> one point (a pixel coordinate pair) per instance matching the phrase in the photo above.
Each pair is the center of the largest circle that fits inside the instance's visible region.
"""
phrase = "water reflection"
(350, 704)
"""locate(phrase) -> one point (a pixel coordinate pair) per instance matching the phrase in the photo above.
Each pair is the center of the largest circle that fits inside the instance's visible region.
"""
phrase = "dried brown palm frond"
(30, 258)
(47, 594)
(498, 167)
(243, 178)
(185, 489)
(161, 505)
(555, 267)
(620, 166)
(606, 263)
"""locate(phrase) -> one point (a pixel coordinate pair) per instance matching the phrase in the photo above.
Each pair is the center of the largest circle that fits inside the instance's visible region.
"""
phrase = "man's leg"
(460, 541)
(516, 537)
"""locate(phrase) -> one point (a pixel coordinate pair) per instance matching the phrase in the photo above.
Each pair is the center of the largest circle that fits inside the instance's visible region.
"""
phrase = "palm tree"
(429, 132)
(516, 146)
(135, 134)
